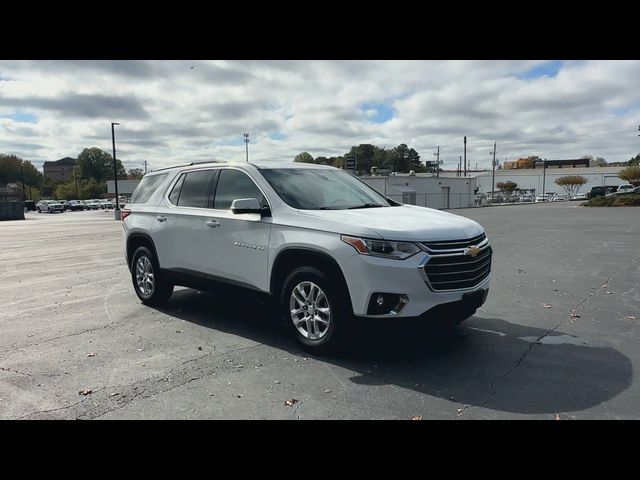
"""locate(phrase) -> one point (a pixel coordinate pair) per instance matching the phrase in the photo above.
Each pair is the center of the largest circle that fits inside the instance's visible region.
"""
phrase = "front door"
(237, 248)
(445, 197)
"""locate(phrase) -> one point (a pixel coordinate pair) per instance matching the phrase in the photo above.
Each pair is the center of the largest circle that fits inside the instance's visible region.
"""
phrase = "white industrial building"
(125, 187)
(532, 179)
(426, 190)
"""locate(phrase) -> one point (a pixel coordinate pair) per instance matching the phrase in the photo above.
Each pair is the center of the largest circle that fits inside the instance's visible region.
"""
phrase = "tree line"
(93, 168)
(397, 159)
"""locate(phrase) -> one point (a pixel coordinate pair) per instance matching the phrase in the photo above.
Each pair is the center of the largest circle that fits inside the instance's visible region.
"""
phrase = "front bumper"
(367, 275)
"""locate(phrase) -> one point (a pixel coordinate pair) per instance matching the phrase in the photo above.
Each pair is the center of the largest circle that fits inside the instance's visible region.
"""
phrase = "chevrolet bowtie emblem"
(472, 251)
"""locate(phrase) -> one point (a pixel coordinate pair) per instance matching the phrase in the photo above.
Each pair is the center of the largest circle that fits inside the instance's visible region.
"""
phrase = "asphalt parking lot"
(70, 322)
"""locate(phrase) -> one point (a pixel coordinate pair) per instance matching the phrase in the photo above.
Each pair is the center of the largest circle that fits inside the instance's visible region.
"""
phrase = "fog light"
(386, 303)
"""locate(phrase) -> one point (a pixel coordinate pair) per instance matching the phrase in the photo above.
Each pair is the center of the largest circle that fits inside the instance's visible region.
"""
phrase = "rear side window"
(195, 189)
(175, 192)
(146, 187)
(234, 184)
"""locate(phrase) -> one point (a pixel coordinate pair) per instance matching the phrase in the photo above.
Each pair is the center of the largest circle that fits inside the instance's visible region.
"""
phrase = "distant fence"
(438, 200)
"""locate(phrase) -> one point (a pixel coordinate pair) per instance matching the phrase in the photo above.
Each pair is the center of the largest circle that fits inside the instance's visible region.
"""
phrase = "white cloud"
(170, 112)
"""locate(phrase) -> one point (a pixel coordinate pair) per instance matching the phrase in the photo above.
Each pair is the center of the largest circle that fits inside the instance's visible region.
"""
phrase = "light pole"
(544, 172)
(115, 170)
(493, 175)
(246, 142)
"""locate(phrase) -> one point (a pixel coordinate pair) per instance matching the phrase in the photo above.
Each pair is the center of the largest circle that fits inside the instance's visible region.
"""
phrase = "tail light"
(124, 214)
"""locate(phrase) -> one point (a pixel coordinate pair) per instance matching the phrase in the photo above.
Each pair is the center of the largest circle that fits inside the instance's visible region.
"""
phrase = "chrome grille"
(456, 271)
(454, 244)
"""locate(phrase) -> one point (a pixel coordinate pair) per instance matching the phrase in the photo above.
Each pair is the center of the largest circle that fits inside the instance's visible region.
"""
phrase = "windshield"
(320, 189)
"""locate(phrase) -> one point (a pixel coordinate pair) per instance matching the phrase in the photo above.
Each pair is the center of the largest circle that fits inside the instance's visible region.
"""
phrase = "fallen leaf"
(609, 293)
(630, 317)
(605, 286)
(199, 348)
(240, 366)
(277, 382)
(239, 395)
(178, 331)
(574, 315)
(327, 391)
(289, 403)
(86, 391)
(558, 417)
(114, 394)
(546, 305)
(452, 399)
(91, 354)
(459, 412)
(417, 417)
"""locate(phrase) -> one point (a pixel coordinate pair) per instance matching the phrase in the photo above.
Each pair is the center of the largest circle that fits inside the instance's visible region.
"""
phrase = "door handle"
(161, 218)
(212, 223)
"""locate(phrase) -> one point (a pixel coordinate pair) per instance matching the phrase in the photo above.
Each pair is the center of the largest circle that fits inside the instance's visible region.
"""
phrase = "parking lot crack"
(538, 341)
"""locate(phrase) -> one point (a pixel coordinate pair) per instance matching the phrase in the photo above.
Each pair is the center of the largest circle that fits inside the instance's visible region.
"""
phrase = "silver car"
(49, 206)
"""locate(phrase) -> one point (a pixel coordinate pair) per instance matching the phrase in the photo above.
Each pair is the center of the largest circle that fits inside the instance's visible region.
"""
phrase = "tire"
(327, 333)
(38, 209)
(159, 290)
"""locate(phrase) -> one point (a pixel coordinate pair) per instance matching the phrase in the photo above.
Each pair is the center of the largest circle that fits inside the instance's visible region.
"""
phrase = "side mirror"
(246, 205)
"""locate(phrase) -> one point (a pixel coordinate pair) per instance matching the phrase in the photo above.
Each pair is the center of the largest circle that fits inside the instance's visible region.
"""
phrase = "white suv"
(318, 240)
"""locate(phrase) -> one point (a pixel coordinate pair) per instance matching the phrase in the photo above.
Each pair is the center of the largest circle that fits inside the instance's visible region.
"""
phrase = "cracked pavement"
(69, 321)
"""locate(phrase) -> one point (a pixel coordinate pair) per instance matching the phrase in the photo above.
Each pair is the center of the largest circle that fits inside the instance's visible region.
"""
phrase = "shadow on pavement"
(483, 362)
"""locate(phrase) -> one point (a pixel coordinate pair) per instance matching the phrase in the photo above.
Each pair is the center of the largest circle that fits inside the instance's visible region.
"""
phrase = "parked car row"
(52, 206)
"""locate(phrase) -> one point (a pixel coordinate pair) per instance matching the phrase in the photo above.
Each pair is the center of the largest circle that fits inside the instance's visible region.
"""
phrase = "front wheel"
(148, 282)
(315, 310)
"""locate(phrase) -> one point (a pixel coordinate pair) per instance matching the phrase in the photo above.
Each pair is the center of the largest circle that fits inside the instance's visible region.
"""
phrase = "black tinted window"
(195, 188)
(146, 187)
(175, 192)
(234, 184)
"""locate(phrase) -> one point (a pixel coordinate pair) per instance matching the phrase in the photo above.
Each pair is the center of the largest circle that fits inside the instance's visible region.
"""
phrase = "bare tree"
(571, 183)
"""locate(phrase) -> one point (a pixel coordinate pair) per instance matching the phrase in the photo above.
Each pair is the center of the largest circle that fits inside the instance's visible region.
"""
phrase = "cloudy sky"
(176, 111)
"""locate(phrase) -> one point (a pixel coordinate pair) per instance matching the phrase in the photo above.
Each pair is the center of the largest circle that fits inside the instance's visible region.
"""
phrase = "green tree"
(96, 163)
(12, 167)
(507, 187)
(635, 161)
(304, 157)
(598, 162)
(135, 174)
(631, 174)
(571, 183)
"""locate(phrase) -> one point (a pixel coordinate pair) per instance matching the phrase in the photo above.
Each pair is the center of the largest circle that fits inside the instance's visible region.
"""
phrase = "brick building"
(60, 170)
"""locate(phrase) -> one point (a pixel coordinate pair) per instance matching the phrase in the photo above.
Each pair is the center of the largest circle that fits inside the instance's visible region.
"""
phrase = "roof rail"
(187, 165)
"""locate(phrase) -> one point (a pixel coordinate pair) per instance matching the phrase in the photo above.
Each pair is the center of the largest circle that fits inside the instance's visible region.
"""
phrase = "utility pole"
(465, 156)
(459, 172)
(145, 167)
(437, 155)
(22, 175)
(493, 177)
(544, 174)
(246, 142)
(115, 170)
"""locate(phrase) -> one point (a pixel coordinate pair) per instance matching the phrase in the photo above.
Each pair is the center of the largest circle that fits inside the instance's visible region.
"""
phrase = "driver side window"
(234, 184)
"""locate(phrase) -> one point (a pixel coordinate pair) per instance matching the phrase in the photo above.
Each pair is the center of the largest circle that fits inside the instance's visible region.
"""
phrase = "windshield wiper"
(366, 205)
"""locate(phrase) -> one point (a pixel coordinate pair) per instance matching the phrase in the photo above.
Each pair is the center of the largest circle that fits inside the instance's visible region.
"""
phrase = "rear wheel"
(314, 308)
(148, 282)
(38, 209)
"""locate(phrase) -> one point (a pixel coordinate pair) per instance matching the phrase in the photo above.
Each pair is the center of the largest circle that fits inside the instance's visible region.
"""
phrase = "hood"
(406, 222)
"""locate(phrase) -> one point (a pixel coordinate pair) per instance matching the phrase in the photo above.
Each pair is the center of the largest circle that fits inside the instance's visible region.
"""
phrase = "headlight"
(381, 248)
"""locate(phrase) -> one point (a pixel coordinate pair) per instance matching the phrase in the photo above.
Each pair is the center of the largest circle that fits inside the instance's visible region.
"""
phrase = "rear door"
(236, 247)
(179, 228)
